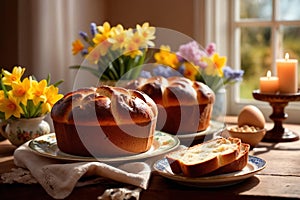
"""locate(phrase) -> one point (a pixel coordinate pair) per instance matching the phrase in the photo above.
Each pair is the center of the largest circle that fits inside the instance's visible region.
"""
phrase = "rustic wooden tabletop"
(279, 180)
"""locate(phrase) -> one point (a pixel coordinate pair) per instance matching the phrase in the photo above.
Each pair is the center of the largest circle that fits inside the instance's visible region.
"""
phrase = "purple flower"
(181, 69)
(191, 52)
(84, 35)
(93, 28)
(160, 71)
(165, 71)
(84, 52)
(145, 74)
(233, 75)
(210, 49)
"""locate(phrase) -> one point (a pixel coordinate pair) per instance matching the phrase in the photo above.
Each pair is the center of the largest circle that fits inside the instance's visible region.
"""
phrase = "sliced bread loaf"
(205, 158)
(240, 162)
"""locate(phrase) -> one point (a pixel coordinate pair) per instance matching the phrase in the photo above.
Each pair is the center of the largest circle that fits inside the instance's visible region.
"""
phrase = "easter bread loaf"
(178, 99)
(215, 156)
(104, 121)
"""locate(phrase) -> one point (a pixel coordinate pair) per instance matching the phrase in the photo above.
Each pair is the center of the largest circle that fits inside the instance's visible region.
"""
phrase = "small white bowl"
(252, 138)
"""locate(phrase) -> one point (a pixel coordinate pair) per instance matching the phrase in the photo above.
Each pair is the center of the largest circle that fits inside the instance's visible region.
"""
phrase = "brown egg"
(252, 116)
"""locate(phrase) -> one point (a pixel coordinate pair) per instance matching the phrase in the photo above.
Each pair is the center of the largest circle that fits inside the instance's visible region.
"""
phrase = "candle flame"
(269, 74)
(287, 56)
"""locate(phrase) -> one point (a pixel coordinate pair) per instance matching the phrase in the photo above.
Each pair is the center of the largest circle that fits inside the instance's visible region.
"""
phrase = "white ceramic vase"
(19, 131)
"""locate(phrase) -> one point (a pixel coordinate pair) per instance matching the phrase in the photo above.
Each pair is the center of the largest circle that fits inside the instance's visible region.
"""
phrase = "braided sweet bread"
(184, 106)
(104, 121)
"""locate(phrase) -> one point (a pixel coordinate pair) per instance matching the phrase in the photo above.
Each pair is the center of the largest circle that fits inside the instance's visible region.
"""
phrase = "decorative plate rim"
(254, 165)
(46, 146)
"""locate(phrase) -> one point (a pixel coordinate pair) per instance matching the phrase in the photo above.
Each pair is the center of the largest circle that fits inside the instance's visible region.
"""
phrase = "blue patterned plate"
(254, 165)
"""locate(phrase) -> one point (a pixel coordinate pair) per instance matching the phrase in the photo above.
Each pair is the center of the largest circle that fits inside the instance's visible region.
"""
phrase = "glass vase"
(19, 131)
(220, 105)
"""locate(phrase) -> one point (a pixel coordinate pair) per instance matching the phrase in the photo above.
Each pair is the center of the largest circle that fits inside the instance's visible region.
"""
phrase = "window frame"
(220, 27)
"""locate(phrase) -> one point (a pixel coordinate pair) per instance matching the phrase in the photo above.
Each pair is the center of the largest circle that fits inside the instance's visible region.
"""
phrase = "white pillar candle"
(287, 72)
(269, 84)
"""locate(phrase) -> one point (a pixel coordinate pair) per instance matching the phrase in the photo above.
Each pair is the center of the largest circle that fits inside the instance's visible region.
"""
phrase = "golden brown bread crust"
(104, 121)
(174, 91)
(210, 163)
(104, 105)
(178, 99)
(237, 165)
(104, 141)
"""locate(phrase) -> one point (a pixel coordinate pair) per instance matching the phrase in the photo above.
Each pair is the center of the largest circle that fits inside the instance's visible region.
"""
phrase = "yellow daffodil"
(119, 29)
(147, 33)
(118, 38)
(2, 96)
(219, 62)
(99, 38)
(190, 71)
(210, 69)
(138, 40)
(166, 57)
(15, 76)
(52, 97)
(21, 91)
(77, 47)
(215, 65)
(105, 29)
(118, 48)
(132, 50)
(24, 98)
(103, 35)
(38, 91)
(10, 107)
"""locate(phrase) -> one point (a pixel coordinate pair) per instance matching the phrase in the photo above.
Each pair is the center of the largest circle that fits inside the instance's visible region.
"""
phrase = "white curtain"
(46, 31)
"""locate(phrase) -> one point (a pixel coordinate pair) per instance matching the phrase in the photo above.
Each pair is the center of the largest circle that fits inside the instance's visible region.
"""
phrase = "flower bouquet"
(27, 98)
(116, 52)
(195, 63)
(24, 105)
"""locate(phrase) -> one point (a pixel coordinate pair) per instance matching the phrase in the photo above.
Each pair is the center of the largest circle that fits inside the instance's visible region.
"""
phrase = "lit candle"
(269, 84)
(287, 72)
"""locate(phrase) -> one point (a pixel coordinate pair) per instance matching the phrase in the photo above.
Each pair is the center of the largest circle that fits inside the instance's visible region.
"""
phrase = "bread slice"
(237, 165)
(204, 158)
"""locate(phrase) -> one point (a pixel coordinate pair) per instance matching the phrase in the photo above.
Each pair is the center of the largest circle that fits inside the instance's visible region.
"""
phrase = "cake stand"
(278, 102)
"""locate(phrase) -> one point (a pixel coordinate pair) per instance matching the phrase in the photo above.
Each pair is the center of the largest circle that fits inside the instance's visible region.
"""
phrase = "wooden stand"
(278, 102)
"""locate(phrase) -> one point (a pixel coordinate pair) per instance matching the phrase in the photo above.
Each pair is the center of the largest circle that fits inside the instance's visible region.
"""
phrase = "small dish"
(252, 138)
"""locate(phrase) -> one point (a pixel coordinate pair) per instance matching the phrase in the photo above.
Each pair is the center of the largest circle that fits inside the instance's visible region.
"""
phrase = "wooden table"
(279, 180)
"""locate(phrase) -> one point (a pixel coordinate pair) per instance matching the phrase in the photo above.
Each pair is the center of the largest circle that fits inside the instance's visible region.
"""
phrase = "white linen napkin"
(59, 178)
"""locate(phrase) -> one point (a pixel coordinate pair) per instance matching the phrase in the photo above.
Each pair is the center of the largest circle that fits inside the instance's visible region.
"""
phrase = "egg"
(252, 116)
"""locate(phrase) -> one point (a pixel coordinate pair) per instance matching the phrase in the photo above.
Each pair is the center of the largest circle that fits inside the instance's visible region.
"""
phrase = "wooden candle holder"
(278, 102)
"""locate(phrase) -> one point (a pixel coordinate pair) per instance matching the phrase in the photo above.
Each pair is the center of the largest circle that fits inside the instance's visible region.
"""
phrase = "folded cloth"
(59, 178)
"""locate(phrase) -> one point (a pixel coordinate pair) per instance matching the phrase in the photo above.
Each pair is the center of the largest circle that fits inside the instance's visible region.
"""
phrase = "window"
(263, 31)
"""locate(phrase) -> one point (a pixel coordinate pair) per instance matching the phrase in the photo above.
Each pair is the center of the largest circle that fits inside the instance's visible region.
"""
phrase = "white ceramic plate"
(254, 165)
(46, 146)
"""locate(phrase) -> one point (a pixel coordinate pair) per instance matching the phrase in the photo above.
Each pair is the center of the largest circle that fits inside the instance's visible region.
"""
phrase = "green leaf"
(113, 71)
(48, 79)
(58, 83)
